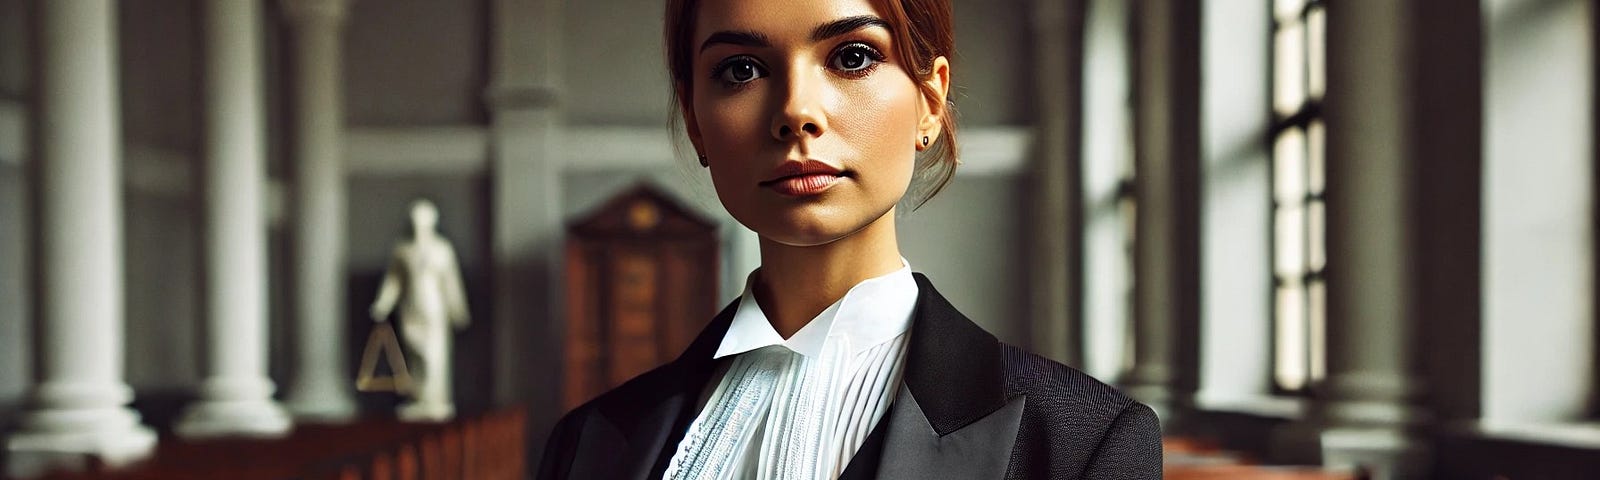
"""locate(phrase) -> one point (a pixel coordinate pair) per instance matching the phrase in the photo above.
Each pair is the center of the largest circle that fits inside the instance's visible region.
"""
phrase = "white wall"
(1107, 148)
(1538, 207)
(1235, 215)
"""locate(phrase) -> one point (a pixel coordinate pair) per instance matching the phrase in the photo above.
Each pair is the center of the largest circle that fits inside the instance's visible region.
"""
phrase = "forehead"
(775, 18)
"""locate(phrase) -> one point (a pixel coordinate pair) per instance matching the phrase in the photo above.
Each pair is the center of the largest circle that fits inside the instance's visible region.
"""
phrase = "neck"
(797, 283)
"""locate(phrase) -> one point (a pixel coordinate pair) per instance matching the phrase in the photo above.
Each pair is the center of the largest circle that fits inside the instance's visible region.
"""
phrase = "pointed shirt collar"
(872, 312)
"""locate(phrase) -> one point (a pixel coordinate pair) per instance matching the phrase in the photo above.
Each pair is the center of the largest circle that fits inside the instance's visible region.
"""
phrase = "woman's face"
(808, 121)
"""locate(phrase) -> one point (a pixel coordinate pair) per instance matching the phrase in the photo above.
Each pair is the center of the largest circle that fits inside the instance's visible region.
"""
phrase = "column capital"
(300, 12)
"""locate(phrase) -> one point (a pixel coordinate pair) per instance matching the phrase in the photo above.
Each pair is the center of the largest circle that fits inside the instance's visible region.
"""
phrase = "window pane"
(1316, 236)
(1289, 166)
(1289, 243)
(1287, 9)
(1289, 68)
(1289, 350)
(1316, 150)
(1317, 306)
(1317, 34)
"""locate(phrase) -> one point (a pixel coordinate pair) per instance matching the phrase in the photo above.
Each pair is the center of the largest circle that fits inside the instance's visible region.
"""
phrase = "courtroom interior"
(1323, 239)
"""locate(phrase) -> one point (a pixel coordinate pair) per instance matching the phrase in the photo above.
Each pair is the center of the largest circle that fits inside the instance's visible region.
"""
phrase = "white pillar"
(78, 407)
(322, 386)
(236, 396)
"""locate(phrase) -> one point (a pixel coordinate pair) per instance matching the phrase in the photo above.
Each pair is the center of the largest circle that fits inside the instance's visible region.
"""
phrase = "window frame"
(1306, 114)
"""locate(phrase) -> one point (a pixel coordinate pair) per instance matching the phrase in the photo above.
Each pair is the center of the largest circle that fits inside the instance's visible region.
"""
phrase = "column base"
(430, 412)
(75, 440)
(1385, 452)
(234, 418)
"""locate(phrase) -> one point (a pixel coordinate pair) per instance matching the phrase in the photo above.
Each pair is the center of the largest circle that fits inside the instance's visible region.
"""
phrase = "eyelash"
(722, 68)
(873, 54)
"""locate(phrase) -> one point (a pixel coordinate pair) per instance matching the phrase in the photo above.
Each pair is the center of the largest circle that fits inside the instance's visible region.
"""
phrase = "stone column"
(1054, 293)
(322, 386)
(525, 120)
(1365, 411)
(78, 408)
(236, 396)
(1166, 156)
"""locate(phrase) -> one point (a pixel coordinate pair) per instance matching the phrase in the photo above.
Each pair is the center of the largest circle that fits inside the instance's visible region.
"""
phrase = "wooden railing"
(489, 446)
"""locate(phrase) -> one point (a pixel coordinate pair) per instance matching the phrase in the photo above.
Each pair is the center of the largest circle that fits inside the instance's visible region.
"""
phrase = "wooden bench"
(489, 446)
(1199, 459)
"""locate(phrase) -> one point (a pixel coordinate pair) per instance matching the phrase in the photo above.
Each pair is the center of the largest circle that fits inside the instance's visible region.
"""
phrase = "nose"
(800, 112)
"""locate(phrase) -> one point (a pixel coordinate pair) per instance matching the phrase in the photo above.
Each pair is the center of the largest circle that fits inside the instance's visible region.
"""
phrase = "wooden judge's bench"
(489, 445)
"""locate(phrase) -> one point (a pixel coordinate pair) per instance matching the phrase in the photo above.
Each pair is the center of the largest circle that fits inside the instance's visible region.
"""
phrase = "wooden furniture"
(1199, 459)
(489, 446)
(641, 283)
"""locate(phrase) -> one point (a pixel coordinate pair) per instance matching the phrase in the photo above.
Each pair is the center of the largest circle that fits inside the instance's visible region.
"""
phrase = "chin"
(807, 226)
(801, 234)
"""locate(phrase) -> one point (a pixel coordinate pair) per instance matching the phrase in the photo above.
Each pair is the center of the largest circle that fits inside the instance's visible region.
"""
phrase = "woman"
(837, 361)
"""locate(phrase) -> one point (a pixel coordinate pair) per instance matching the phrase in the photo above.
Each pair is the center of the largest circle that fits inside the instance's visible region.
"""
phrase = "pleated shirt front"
(799, 408)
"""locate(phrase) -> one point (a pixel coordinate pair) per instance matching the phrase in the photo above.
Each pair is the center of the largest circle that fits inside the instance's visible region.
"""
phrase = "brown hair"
(922, 31)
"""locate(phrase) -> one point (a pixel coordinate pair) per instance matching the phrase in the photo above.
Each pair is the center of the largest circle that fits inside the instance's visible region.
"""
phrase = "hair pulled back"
(922, 31)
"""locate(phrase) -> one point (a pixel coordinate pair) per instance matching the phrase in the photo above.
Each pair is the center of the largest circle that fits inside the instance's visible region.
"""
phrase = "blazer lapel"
(952, 418)
(635, 435)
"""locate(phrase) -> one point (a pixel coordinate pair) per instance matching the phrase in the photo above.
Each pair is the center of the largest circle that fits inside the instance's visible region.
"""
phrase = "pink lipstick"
(803, 178)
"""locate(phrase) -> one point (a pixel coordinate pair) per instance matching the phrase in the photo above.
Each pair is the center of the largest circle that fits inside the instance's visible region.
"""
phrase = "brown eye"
(852, 60)
(855, 58)
(739, 70)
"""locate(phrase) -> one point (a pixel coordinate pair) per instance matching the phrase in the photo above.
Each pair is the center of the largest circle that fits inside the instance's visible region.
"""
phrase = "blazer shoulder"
(1075, 426)
(1058, 386)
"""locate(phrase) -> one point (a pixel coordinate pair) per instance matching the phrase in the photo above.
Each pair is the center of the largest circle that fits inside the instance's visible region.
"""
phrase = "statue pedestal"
(426, 412)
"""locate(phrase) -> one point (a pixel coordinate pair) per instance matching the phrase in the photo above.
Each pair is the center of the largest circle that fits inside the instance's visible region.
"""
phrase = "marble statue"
(425, 282)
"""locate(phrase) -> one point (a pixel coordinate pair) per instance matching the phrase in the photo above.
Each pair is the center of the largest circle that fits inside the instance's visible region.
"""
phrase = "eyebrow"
(846, 25)
(822, 32)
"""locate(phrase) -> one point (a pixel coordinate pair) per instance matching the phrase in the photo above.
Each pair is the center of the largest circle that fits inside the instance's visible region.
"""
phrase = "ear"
(690, 127)
(934, 106)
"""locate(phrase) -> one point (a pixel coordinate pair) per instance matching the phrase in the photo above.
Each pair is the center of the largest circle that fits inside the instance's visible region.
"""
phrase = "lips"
(803, 178)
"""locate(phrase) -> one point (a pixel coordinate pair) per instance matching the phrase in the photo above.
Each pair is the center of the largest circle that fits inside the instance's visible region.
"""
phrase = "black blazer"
(971, 407)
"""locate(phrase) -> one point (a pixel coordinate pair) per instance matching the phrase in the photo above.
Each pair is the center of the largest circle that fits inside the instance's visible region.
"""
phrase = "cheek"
(732, 131)
(729, 122)
(879, 119)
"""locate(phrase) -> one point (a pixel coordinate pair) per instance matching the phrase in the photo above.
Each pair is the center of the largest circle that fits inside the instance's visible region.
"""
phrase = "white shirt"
(800, 408)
